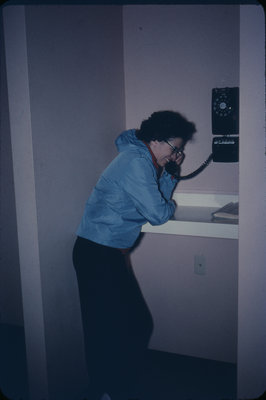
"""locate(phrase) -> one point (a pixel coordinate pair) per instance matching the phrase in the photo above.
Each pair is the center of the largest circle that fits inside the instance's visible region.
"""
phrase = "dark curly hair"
(164, 125)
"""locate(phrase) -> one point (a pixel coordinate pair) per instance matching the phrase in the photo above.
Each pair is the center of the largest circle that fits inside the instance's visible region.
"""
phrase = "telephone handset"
(172, 168)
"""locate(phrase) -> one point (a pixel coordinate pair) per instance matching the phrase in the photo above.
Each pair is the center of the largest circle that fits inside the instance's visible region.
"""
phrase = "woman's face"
(167, 151)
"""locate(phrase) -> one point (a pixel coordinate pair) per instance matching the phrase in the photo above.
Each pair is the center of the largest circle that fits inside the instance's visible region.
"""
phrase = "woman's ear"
(154, 143)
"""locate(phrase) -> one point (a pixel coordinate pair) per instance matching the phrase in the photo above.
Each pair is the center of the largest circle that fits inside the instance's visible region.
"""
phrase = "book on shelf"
(229, 211)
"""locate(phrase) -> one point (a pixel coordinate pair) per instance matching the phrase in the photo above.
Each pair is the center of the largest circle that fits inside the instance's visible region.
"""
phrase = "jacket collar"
(152, 156)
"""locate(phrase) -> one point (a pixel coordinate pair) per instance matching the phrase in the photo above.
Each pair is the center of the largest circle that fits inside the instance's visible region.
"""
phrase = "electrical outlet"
(199, 264)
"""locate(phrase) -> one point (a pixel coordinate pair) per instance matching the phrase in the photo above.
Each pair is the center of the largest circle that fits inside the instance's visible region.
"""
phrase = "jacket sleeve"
(167, 185)
(140, 182)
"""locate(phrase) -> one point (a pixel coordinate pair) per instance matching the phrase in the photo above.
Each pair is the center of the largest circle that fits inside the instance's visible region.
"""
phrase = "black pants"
(116, 321)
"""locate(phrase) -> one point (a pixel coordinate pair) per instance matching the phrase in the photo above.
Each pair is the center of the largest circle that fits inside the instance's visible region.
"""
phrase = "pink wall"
(193, 315)
(252, 200)
(10, 311)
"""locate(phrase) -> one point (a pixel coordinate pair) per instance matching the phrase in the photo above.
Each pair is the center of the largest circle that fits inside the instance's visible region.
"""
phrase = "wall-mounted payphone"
(225, 111)
(225, 123)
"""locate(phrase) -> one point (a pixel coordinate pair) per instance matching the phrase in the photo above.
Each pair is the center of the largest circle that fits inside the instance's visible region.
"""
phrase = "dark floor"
(177, 377)
(166, 376)
(13, 373)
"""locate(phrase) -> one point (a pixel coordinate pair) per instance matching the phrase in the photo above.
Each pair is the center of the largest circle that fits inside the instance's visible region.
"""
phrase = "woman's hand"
(180, 158)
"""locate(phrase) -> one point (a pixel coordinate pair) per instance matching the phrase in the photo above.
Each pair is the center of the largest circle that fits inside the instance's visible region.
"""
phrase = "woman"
(134, 189)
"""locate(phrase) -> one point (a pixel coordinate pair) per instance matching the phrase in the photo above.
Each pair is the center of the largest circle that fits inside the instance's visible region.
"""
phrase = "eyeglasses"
(175, 150)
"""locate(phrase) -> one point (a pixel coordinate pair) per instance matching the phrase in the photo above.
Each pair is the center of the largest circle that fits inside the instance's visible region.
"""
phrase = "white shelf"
(193, 217)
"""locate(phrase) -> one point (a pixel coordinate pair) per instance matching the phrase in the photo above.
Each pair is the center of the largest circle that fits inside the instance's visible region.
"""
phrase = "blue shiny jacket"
(127, 195)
